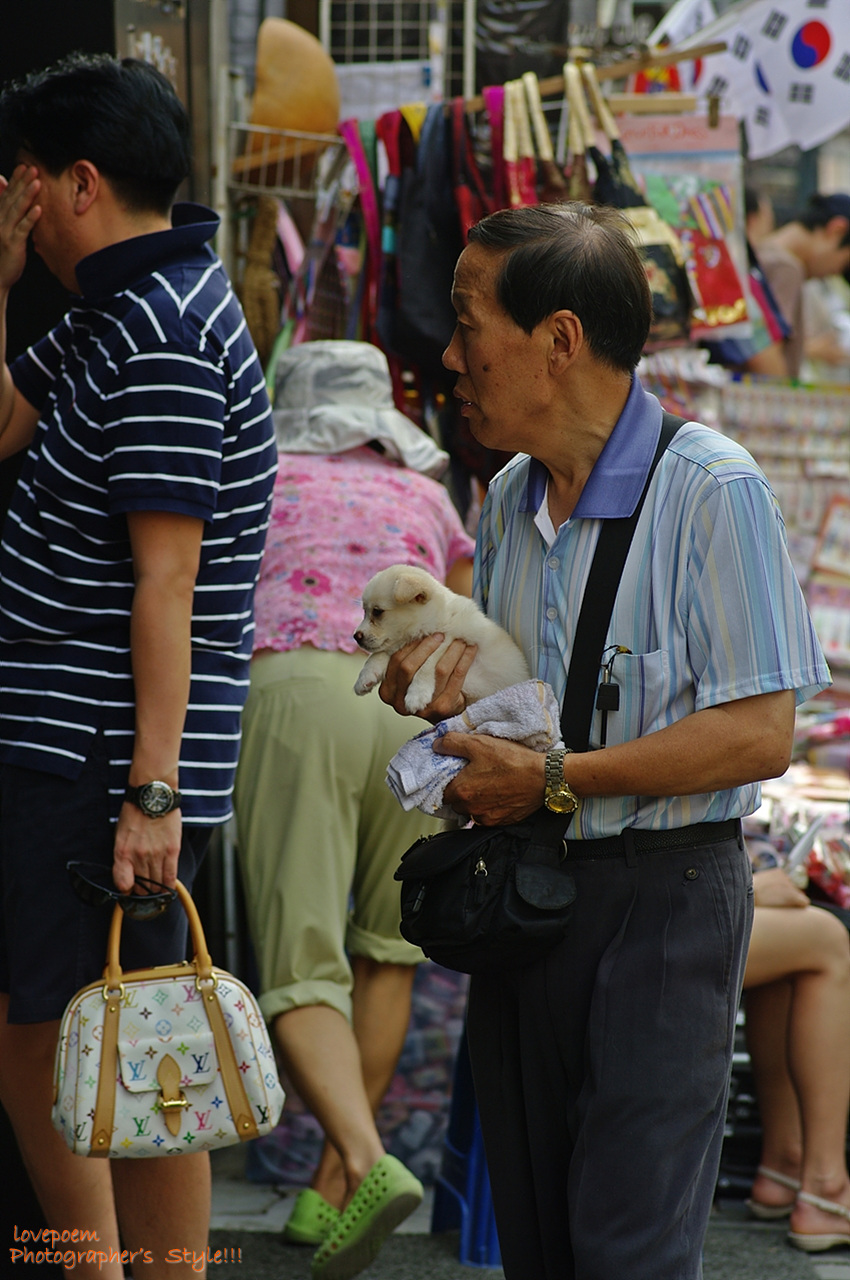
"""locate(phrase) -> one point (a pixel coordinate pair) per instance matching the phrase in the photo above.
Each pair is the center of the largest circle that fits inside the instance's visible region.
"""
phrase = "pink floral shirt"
(336, 521)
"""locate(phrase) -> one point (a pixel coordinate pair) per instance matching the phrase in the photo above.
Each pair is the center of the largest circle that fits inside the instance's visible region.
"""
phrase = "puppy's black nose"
(358, 636)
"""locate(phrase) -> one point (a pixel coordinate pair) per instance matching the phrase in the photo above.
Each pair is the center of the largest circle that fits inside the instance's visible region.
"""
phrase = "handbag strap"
(597, 605)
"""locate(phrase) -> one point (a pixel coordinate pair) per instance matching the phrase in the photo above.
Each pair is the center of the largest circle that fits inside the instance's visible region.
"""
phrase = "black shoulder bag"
(481, 899)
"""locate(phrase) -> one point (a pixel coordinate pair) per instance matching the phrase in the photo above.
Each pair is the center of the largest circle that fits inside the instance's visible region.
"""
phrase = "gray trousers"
(602, 1070)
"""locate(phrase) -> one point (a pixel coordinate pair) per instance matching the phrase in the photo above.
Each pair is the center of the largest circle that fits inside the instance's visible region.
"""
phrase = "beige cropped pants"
(319, 832)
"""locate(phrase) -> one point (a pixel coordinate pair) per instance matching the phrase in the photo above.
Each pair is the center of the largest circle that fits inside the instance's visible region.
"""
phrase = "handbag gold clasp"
(172, 1098)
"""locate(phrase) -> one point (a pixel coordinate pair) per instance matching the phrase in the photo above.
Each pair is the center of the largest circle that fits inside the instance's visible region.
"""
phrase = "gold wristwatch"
(559, 798)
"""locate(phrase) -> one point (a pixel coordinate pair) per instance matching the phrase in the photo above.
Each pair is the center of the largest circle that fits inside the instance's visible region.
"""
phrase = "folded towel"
(528, 713)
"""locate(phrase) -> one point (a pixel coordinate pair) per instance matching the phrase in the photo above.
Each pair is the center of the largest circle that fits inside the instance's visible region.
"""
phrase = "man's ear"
(567, 338)
(85, 180)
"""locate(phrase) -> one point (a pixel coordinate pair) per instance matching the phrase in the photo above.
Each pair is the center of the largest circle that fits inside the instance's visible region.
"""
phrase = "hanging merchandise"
(260, 283)
(579, 137)
(471, 195)
(553, 184)
(493, 97)
(429, 241)
(692, 174)
(660, 247)
(519, 157)
(510, 152)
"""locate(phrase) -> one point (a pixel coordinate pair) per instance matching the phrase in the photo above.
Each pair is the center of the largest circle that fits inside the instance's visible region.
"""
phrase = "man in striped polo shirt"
(601, 1069)
(128, 565)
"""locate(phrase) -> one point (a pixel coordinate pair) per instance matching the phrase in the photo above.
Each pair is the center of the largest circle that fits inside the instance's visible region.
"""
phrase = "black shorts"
(51, 943)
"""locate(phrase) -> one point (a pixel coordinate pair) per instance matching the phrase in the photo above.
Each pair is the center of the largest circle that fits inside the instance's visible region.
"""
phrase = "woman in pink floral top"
(320, 833)
(336, 520)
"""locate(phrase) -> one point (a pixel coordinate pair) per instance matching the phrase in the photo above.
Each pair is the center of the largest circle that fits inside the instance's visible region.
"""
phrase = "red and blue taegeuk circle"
(811, 44)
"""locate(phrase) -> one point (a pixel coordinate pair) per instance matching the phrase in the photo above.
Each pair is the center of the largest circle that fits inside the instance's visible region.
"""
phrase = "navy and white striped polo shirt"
(151, 398)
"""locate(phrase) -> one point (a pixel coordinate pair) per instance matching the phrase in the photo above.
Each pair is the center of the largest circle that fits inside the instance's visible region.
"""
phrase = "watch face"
(562, 802)
(155, 798)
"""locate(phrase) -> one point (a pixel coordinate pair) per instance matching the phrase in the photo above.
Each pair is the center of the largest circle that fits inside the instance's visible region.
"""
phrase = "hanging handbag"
(166, 1060)
(659, 246)
(484, 899)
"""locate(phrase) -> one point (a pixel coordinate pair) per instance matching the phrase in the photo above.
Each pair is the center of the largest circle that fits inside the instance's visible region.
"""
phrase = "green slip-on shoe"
(387, 1195)
(310, 1220)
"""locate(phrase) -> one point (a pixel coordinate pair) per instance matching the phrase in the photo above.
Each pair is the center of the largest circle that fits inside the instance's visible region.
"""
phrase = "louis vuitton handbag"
(166, 1060)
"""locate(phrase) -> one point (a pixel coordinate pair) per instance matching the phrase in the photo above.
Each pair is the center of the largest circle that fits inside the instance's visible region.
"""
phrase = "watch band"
(559, 796)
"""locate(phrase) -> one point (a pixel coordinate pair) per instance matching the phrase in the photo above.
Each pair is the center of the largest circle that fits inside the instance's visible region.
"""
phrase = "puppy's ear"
(410, 589)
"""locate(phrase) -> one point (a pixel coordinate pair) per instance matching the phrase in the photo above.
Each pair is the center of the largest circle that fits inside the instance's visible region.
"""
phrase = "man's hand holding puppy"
(503, 781)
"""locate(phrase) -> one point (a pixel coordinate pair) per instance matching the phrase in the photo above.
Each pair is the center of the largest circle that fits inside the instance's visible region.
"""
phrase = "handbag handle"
(584, 132)
(601, 110)
(113, 972)
(525, 142)
(231, 1079)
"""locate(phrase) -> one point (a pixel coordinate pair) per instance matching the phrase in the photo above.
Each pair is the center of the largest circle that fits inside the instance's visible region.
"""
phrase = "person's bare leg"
(322, 1058)
(381, 1015)
(811, 948)
(74, 1192)
(163, 1207)
(768, 1011)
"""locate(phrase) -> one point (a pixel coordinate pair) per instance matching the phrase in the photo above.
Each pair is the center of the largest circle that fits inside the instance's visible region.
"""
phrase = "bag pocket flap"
(543, 887)
(432, 855)
(139, 1060)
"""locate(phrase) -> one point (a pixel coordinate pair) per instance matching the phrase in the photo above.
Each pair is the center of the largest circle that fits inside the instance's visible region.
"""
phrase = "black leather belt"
(640, 841)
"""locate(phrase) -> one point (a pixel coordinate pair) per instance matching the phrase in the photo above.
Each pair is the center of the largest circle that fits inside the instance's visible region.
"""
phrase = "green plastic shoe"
(387, 1195)
(310, 1220)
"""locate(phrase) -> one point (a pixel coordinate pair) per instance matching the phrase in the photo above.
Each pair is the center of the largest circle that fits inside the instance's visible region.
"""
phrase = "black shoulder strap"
(603, 581)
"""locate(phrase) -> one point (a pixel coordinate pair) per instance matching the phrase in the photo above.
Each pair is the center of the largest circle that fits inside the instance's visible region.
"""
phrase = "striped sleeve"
(749, 630)
(163, 433)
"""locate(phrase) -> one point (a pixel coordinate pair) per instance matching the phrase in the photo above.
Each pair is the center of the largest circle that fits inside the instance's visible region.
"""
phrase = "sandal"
(385, 1197)
(771, 1212)
(811, 1243)
(310, 1220)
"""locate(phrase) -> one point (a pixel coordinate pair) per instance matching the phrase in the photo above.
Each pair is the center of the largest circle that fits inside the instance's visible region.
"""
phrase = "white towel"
(527, 713)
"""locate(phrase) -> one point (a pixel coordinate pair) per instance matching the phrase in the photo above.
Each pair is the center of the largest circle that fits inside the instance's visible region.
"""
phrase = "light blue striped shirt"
(709, 603)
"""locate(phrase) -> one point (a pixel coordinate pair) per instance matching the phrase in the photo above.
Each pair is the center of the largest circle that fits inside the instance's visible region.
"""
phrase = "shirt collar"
(112, 269)
(619, 473)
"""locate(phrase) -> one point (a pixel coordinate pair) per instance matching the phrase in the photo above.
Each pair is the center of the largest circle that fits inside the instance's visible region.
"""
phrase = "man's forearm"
(712, 750)
(160, 641)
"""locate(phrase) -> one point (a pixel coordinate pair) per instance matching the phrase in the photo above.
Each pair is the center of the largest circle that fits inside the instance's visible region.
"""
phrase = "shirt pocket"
(643, 680)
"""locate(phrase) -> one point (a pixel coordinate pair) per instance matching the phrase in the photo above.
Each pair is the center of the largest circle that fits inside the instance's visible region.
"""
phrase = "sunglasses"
(90, 883)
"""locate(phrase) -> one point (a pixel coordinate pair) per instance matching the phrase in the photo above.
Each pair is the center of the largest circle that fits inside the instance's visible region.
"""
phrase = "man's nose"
(452, 356)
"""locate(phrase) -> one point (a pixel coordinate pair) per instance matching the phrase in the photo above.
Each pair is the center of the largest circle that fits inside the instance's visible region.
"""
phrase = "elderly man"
(601, 1070)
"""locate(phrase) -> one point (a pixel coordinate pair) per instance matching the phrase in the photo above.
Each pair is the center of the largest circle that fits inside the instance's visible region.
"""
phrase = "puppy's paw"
(419, 694)
(371, 673)
(365, 682)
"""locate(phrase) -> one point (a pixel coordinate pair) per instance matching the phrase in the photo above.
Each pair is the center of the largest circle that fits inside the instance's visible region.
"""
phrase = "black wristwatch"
(155, 799)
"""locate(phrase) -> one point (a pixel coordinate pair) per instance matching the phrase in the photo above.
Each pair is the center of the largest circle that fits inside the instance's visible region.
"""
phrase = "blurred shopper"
(320, 833)
(797, 997)
(813, 245)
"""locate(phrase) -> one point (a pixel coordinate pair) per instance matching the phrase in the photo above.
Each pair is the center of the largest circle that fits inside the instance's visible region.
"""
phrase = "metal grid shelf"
(281, 162)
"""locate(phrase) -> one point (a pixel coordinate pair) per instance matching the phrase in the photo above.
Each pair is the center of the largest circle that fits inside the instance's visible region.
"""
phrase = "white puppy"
(405, 603)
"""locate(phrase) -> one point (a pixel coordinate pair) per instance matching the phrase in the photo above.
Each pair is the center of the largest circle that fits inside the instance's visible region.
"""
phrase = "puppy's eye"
(377, 613)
